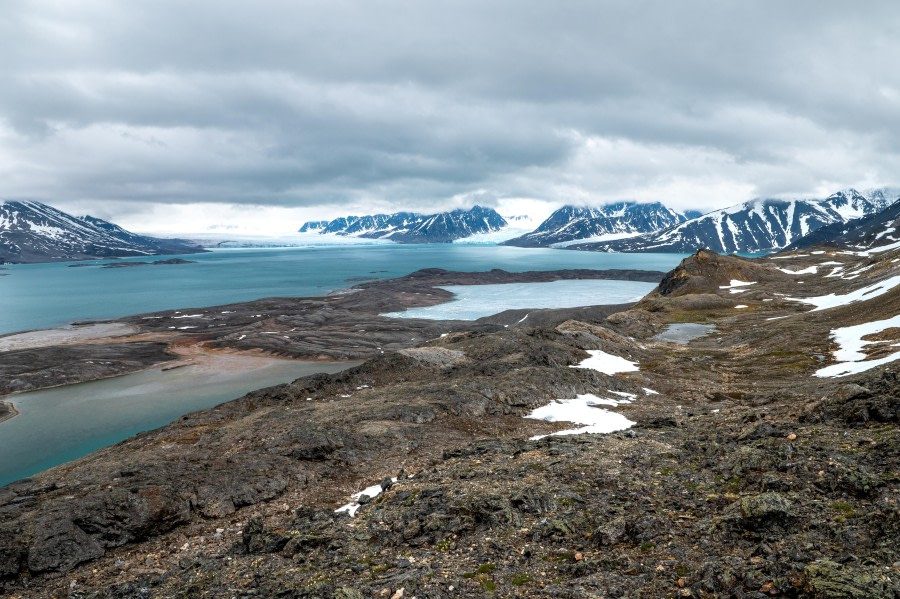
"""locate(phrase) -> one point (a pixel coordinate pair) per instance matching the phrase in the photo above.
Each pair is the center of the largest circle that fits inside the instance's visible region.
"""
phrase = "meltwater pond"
(476, 301)
(685, 332)
(64, 423)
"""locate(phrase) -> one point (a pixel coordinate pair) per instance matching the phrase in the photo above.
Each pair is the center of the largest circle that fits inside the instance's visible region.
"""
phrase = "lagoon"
(64, 423)
(61, 424)
(35, 296)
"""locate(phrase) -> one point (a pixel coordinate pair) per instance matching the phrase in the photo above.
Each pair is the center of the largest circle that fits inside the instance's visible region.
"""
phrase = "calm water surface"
(685, 332)
(47, 295)
(64, 423)
(57, 425)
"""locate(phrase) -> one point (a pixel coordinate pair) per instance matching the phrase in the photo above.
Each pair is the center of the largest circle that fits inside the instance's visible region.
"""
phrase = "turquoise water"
(58, 425)
(65, 423)
(47, 295)
(475, 301)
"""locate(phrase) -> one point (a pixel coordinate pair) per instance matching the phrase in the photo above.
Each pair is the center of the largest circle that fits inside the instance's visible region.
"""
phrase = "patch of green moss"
(846, 509)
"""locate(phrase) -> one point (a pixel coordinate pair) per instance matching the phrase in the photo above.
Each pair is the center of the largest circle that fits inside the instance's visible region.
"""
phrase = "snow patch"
(581, 410)
(371, 492)
(736, 283)
(850, 357)
(824, 302)
(595, 239)
(606, 363)
(806, 271)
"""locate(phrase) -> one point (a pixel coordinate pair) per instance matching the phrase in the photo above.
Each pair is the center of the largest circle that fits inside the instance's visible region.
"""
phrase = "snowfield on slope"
(824, 302)
(850, 357)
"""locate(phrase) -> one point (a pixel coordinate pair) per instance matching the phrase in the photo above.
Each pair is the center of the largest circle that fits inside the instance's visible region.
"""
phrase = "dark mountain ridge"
(35, 232)
(758, 226)
(571, 223)
(409, 227)
(867, 232)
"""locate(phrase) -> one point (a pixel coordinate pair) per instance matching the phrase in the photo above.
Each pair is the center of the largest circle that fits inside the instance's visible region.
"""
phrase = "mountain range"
(581, 223)
(35, 232)
(758, 226)
(874, 230)
(409, 227)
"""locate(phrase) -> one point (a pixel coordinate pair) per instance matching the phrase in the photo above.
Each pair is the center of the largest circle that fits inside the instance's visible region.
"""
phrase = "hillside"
(875, 230)
(408, 227)
(35, 232)
(758, 226)
(759, 459)
(580, 223)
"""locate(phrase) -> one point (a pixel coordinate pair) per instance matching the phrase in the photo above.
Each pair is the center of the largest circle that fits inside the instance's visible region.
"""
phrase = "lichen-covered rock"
(756, 512)
(60, 545)
(828, 580)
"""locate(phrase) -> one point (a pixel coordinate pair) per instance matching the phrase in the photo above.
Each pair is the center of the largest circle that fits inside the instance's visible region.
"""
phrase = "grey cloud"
(310, 103)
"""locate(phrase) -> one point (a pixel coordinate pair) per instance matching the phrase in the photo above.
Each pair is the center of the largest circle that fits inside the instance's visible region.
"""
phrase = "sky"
(224, 115)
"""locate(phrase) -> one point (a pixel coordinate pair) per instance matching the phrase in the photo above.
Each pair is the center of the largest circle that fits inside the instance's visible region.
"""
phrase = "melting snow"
(582, 410)
(878, 250)
(371, 492)
(737, 283)
(606, 363)
(741, 306)
(806, 271)
(850, 357)
(823, 302)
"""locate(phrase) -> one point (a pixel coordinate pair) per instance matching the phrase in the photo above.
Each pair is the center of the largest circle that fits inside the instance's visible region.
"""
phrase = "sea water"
(57, 425)
(64, 423)
(35, 296)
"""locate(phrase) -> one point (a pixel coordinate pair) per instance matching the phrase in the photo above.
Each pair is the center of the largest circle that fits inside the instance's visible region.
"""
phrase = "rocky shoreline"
(745, 475)
(7, 411)
(342, 326)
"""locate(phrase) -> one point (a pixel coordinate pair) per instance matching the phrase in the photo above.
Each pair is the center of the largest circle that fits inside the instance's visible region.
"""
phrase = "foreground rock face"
(745, 476)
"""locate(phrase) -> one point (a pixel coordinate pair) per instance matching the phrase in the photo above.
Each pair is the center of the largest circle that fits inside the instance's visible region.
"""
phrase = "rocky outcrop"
(708, 272)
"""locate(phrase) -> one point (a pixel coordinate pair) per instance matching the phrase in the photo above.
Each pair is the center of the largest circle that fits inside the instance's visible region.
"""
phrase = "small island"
(129, 264)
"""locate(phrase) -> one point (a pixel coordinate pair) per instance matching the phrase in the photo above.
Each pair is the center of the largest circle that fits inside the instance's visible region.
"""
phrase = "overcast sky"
(173, 116)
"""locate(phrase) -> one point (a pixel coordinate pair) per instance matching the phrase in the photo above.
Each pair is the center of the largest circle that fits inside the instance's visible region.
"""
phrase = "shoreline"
(201, 357)
(358, 306)
(8, 411)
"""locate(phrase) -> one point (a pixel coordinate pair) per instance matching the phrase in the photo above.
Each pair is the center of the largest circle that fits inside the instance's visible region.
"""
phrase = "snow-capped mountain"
(757, 226)
(877, 230)
(408, 227)
(613, 221)
(34, 232)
